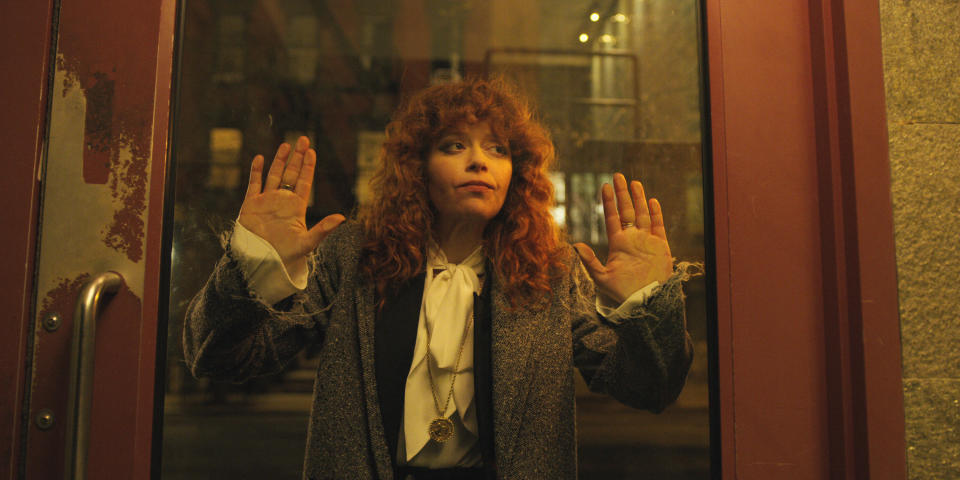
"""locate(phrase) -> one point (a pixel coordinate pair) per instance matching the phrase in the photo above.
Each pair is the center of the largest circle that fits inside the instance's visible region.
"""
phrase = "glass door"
(618, 83)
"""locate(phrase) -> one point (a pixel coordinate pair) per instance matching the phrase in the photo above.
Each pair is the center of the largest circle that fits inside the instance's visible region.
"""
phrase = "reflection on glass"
(617, 82)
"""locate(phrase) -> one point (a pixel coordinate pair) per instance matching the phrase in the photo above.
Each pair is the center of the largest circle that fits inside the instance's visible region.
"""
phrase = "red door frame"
(25, 36)
(808, 323)
(808, 326)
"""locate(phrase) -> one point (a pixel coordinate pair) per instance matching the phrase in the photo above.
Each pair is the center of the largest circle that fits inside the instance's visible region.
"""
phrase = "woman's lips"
(476, 186)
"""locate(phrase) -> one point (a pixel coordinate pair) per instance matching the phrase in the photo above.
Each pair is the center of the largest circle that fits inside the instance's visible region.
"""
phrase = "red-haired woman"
(451, 313)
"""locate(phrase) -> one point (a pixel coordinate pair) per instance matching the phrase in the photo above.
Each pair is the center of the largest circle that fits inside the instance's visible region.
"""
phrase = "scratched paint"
(98, 129)
(128, 185)
(65, 291)
(118, 88)
(78, 216)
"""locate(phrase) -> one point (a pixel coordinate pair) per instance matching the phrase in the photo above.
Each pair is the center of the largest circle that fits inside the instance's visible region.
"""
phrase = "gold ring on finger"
(626, 224)
(286, 186)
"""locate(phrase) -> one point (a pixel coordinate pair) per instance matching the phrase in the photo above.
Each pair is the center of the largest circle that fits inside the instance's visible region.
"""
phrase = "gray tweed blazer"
(231, 334)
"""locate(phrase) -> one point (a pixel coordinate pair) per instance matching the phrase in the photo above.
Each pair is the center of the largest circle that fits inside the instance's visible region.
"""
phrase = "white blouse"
(447, 311)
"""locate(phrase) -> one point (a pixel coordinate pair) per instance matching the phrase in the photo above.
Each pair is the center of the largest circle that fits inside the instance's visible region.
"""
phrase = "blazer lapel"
(365, 305)
(395, 335)
(513, 336)
(482, 376)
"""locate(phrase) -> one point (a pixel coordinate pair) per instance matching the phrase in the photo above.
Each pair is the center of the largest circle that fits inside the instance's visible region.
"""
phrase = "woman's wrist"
(296, 268)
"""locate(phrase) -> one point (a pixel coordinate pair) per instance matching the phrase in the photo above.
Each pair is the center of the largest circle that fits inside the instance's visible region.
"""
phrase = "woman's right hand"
(276, 211)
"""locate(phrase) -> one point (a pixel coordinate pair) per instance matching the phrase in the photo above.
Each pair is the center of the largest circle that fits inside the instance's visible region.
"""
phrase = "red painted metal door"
(101, 192)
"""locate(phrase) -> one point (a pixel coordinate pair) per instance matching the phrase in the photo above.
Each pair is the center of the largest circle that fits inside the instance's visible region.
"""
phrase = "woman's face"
(468, 174)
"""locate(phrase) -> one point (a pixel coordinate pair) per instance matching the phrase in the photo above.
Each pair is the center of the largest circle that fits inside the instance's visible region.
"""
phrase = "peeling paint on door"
(117, 121)
(90, 227)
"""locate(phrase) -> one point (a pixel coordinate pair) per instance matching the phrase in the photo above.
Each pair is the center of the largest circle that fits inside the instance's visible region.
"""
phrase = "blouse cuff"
(607, 307)
(262, 267)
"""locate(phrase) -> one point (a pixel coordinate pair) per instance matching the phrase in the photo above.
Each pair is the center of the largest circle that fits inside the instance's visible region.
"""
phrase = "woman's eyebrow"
(458, 130)
(493, 138)
(451, 134)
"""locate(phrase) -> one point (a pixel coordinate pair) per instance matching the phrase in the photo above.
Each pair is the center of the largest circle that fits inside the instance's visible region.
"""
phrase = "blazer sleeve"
(642, 361)
(231, 334)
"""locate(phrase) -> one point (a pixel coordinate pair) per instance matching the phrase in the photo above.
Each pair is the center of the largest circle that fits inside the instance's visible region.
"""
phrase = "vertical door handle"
(81, 370)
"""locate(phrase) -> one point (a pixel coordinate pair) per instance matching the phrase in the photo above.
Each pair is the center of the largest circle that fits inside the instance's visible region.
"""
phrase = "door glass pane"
(616, 81)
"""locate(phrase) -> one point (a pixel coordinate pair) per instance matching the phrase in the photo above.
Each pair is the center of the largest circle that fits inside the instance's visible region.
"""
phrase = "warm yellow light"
(594, 17)
(584, 37)
(607, 38)
(620, 18)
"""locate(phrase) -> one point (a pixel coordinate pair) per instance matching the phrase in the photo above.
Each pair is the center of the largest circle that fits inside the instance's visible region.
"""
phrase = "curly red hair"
(522, 241)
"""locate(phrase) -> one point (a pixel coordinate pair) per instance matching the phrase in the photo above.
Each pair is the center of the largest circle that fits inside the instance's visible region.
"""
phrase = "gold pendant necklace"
(441, 428)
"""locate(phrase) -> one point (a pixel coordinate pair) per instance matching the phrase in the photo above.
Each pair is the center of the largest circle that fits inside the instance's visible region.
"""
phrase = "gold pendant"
(441, 429)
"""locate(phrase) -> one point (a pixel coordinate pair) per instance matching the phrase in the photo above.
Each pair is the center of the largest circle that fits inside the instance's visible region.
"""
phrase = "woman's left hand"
(639, 253)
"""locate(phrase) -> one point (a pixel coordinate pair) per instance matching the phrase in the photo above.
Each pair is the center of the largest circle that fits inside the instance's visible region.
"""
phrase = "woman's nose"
(477, 161)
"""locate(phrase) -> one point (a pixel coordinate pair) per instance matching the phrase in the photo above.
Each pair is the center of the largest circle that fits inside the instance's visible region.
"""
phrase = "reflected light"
(607, 38)
(559, 215)
(594, 17)
(620, 18)
(584, 37)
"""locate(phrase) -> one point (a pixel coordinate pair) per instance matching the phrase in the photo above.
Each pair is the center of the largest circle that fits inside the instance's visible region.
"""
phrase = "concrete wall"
(921, 50)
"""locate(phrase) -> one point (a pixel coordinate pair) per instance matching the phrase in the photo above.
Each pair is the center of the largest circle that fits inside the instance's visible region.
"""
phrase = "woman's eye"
(500, 150)
(451, 147)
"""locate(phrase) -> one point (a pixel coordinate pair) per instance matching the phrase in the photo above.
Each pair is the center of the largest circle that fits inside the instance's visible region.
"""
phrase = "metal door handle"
(81, 370)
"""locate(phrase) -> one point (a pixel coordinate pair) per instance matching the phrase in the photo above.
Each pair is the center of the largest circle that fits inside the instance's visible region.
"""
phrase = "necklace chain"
(433, 387)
